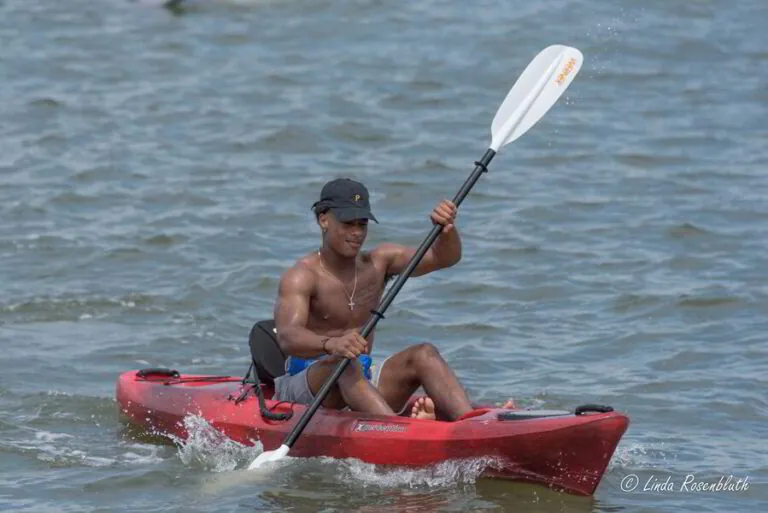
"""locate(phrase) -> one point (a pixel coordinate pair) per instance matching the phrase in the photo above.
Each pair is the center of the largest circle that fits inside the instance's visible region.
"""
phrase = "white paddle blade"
(268, 456)
(544, 80)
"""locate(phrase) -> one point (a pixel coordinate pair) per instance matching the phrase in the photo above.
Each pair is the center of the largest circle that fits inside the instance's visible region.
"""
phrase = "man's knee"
(352, 373)
(426, 353)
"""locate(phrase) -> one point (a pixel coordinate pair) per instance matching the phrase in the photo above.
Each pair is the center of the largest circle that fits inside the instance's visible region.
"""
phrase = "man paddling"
(327, 295)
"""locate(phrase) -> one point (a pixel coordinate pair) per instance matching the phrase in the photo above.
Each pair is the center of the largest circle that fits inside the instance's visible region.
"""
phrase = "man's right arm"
(292, 313)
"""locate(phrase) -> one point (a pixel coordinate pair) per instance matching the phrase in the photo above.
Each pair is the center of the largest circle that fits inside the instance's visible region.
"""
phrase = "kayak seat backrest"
(268, 359)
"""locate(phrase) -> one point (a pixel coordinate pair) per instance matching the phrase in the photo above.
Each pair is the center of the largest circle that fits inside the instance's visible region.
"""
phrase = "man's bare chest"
(346, 305)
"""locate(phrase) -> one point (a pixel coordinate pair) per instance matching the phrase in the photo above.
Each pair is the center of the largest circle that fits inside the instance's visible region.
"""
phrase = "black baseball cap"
(346, 199)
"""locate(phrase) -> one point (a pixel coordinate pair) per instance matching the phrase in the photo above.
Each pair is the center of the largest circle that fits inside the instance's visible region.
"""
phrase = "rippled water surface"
(156, 172)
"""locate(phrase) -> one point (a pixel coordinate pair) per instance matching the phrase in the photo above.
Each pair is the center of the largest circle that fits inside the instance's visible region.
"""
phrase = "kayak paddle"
(532, 95)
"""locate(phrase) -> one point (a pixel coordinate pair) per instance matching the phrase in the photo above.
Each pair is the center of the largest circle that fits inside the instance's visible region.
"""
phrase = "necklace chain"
(351, 297)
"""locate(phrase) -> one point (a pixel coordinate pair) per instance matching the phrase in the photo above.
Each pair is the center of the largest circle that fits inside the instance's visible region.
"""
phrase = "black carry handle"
(160, 372)
(596, 408)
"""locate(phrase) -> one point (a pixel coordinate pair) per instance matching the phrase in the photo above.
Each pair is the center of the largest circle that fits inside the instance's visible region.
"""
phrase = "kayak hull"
(566, 452)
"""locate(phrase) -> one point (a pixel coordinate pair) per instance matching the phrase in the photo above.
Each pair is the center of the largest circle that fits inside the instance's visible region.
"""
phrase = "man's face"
(344, 238)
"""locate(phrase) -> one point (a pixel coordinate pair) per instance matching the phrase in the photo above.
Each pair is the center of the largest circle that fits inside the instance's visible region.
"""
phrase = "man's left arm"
(445, 252)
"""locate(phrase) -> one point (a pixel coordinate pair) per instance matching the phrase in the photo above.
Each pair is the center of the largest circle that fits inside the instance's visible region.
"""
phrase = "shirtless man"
(326, 297)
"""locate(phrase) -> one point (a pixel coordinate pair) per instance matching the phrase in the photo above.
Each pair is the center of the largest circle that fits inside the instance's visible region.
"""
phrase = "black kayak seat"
(268, 359)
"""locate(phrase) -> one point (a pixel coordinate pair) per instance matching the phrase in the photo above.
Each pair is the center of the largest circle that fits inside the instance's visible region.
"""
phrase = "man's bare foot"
(423, 408)
(509, 405)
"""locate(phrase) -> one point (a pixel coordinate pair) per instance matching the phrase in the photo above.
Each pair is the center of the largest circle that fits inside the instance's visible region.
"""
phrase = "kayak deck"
(561, 450)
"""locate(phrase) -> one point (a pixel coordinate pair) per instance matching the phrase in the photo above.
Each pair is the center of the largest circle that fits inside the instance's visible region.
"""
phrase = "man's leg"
(352, 389)
(422, 365)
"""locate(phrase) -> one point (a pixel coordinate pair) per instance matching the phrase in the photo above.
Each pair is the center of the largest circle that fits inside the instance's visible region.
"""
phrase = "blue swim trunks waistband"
(294, 364)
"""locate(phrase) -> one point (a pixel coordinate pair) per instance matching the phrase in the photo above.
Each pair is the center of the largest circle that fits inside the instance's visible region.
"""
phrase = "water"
(157, 171)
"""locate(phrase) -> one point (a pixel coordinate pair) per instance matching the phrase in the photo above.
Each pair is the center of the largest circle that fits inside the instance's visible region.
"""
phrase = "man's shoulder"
(300, 275)
(386, 250)
(384, 257)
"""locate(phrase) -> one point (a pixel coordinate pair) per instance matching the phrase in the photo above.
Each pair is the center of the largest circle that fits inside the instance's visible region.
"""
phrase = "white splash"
(640, 455)
(208, 448)
(444, 474)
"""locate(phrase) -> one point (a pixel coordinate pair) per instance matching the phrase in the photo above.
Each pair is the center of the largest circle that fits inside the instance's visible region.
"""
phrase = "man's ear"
(322, 220)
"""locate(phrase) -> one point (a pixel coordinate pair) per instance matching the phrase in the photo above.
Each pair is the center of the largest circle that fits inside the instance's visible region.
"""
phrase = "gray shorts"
(295, 389)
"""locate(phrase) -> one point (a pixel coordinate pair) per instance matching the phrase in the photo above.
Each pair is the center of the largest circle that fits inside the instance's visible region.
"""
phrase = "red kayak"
(566, 451)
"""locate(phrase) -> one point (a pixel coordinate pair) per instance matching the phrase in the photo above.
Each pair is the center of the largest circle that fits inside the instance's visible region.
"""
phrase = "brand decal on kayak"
(364, 427)
(566, 71)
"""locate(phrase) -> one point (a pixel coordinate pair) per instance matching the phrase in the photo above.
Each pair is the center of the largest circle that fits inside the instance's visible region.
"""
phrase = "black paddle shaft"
(480, 168)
